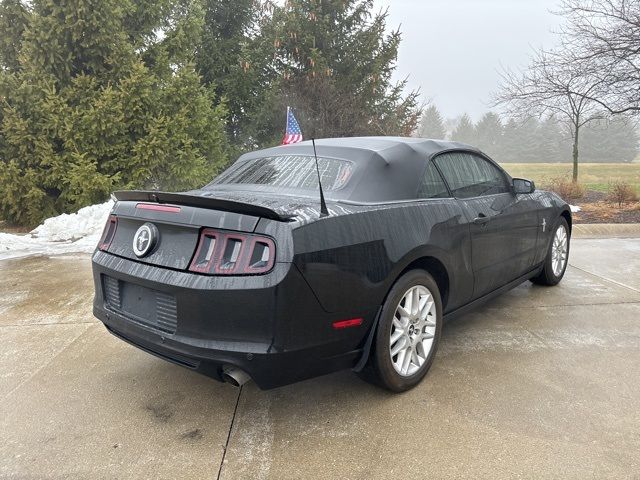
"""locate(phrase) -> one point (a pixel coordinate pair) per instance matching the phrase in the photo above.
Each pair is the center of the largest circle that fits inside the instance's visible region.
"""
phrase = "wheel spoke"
(415, 302)
(399, 348)
(429, 323)
(408, 300)
(403, 312)
(400, 360)
(395, 336)
(424, 311)
(424, 350)
(423, 301)
(415, 358)
(406, 361)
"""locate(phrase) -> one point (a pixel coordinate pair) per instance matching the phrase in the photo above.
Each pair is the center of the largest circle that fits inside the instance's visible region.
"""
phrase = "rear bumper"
(271, 326)
(268, 370)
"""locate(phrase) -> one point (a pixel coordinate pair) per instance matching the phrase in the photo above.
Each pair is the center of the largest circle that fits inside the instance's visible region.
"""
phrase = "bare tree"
(551, 86)
(603, 38)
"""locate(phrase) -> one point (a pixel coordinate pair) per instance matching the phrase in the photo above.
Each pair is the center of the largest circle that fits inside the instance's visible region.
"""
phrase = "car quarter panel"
(355, 258)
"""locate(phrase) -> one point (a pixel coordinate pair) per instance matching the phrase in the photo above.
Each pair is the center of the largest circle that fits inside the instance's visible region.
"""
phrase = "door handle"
(481, 219)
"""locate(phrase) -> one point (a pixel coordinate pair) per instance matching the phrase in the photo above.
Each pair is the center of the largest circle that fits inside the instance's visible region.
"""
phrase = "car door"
(453, 232)
(503, 226)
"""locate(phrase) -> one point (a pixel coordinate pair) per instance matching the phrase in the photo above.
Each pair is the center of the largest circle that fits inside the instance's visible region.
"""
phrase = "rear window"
(289, 171)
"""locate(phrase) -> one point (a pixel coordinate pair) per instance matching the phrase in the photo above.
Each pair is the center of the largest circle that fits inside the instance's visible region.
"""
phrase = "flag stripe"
(293, 132)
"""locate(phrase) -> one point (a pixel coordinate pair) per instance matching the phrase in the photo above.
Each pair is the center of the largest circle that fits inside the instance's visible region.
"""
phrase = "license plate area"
(148, 307)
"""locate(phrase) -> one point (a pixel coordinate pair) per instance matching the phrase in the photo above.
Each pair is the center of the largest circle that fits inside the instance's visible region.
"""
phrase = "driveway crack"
(605, 278)
(226, 445)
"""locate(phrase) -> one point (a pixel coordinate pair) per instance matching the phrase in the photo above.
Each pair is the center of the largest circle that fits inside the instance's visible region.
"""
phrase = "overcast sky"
(453, 49)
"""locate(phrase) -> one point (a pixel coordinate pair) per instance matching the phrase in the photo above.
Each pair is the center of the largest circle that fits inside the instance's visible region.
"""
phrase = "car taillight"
(222, 253)
(108, 233)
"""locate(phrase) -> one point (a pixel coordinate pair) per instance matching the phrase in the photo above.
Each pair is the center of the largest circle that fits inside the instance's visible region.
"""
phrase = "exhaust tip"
(234, 376)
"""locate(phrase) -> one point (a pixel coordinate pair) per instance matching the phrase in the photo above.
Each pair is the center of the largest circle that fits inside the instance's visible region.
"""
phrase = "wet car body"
(316, 308)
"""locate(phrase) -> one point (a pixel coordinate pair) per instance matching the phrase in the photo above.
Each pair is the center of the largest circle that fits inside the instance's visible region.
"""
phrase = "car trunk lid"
(178, 219)
(176, 225)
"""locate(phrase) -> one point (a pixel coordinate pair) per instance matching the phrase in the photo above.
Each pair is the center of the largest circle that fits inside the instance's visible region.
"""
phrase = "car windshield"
(288, 171)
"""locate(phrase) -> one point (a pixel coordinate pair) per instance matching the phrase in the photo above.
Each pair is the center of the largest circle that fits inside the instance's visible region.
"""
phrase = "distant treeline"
(533, 141)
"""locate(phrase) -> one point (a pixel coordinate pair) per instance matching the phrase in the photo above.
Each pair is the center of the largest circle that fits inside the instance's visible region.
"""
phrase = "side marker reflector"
(352, 322)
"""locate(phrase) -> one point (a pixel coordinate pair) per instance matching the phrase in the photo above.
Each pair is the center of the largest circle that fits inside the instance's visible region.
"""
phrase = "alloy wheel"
(412, 330)
(559, 250)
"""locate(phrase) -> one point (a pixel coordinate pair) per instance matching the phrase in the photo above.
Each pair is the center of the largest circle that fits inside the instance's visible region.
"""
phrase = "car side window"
(432, 185)
(470, 175)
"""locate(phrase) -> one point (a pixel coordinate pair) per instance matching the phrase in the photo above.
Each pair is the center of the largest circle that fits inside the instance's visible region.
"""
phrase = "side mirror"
(521, 185)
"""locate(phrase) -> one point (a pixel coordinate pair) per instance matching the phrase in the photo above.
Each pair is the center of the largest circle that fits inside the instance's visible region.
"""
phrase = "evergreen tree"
(488, 134)
(334, 60)
(98, 102)
(529, 141)
(615, 140)
(546, 141)
(510, 142)
(553, 145)
(14, 17)
(464, 131)
(431, 124)
(232, 58)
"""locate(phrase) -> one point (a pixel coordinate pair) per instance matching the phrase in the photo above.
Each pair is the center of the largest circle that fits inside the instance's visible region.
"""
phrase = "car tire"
(410, 331)
(552, 272)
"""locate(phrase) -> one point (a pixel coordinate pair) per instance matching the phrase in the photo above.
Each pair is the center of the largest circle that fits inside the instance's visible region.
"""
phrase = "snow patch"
(87, 221)
(67, 233)
(574, 208)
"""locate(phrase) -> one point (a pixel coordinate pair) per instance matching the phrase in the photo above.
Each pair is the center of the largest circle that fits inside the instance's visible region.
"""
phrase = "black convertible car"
(254, 276)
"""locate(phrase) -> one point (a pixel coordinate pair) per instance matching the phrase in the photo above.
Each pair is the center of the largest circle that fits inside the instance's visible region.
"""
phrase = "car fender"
(552, 207)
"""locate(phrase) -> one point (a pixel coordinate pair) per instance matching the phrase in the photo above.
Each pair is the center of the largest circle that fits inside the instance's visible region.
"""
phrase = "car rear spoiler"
(202, 202)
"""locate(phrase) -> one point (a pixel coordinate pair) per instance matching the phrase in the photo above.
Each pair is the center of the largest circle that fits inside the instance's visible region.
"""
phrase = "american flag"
(293, 133)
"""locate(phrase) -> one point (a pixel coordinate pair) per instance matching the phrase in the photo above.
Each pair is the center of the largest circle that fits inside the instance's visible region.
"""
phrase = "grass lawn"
(594, 176)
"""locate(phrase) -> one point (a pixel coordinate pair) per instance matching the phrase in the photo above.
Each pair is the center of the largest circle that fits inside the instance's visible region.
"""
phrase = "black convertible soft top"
(390, 149)
(387, 168)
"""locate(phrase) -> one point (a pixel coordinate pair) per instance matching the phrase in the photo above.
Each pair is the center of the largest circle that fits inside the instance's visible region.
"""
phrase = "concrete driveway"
(542, 382)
